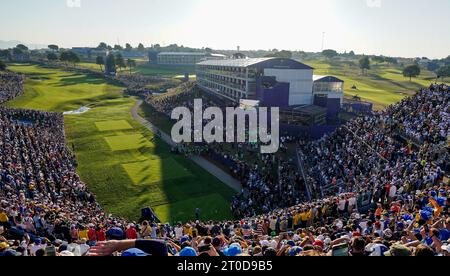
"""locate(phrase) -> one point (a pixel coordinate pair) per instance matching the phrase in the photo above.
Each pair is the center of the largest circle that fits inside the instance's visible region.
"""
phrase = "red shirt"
(101, 236)
(92, 235)
(131, 233)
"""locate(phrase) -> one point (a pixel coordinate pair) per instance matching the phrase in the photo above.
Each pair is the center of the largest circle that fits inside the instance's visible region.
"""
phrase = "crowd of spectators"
(46, 210)
(11, 86)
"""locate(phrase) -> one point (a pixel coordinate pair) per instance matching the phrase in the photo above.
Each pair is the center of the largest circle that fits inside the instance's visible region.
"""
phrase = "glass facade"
(235, 83)
(334, 87)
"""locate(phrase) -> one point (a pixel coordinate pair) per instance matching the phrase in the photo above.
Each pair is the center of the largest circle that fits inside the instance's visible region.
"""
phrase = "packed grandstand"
(377, 187)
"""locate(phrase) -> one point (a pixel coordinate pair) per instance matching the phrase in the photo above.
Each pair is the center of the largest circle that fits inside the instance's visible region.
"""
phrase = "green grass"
(113, 125)
(120, 160)
(152, 170)
(128, 142)
(90, 65)
(144, 68)
(383, 85)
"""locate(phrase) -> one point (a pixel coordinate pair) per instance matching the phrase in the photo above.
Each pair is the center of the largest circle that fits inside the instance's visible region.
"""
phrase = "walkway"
(202, 162)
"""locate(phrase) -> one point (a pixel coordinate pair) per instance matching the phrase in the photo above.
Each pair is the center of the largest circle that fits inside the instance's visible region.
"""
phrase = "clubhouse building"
(272, 82)
(185, 59)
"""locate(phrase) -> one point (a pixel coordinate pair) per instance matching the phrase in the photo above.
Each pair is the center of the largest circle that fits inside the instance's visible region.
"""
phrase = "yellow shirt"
(309, 214)
(3, 217)
(304, 216)
(296, 219)
(188, 231)
(83, 234)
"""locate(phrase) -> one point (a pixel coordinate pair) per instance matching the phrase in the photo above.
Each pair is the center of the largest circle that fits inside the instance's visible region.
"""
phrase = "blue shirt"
(444, 234)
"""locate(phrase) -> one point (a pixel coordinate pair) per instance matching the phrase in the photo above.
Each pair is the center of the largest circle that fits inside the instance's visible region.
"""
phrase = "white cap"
(66, 254)
(446, 248)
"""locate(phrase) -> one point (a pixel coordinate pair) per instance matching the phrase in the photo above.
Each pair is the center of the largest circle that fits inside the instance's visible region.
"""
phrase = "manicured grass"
(113, 125)
(127, 168)
(153, 170)
(127, 142)
(383, 85)
(49, 89)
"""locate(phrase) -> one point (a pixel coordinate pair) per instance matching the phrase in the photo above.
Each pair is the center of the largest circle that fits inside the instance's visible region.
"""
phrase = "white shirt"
(393, 191)
(178, 232)
(35, 248)
(352, 201)
(342, 204)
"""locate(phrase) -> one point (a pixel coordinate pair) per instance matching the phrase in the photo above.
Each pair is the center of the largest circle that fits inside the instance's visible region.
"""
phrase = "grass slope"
(383, 85)
(122, 162)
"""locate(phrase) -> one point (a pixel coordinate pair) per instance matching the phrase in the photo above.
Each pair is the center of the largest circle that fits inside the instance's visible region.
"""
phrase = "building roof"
(270, 62)
(318, 78)
(217, 55)
(181, 54)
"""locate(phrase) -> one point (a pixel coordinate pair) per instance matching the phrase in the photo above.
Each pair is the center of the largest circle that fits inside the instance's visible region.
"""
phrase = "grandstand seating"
(378, 195)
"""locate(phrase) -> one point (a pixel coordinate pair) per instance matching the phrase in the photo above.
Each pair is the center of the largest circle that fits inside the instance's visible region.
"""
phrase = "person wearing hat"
(10, 253)
(398, 250)
(3, 246)
(233, 250)
(188, 252)
(134, 252)
(36, 246)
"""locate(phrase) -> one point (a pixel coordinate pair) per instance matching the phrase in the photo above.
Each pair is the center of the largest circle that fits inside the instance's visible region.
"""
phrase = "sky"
(403, 28)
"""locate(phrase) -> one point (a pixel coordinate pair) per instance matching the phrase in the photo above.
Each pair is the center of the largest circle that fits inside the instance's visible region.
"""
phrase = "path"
(202, 162)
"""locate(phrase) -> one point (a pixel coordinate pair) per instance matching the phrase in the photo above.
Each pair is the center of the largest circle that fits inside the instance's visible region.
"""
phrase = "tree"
(378, 59)
(131, 63)
(69, 57)
(4, 54)
(446, 60)
(118, 47)
(17, 51)
(52, 57)
(443, 72)
(120, 61)
(141, 47)
(411, 71)
(53, 47)
(364, 64)
(391, 60)
(351, 54)
(65, 57)
(102, 46)
(207, 50)
(22, 47)
(74, 58)
(100, 61)
(128, 47)
(432, 66)
(110, 66)
(281, 54)
(2, 66)
(329, 54)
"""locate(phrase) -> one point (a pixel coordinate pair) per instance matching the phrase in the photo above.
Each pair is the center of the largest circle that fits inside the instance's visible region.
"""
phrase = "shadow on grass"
(80, 79)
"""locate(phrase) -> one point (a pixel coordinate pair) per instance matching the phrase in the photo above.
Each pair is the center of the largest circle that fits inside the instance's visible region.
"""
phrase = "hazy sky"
(391, 27)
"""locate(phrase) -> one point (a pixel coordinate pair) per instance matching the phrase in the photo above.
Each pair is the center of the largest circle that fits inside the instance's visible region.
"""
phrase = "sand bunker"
(81, 110)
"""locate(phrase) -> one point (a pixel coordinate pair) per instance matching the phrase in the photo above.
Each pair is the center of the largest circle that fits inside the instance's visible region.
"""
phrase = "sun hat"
(134, 252)
(398, 250)
(188, 252)
(233, 250)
